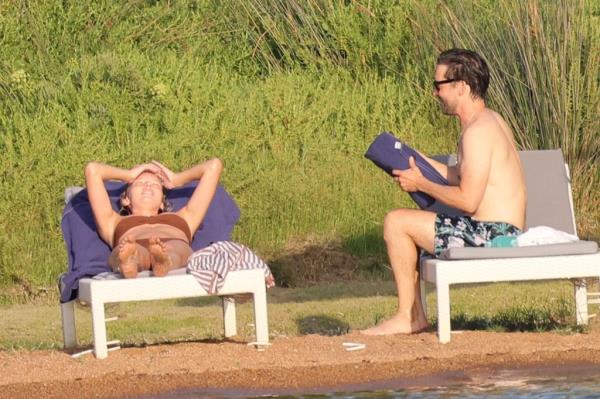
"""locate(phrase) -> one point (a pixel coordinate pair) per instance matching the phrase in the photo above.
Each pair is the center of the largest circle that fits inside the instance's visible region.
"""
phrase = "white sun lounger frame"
(97, 293)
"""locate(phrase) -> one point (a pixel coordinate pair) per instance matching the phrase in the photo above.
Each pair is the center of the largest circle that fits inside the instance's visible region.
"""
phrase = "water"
(550, 383)
(545, 389)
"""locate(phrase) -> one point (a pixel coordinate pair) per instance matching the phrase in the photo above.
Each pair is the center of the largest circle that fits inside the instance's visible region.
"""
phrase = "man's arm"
(476, 153)
(450, 173)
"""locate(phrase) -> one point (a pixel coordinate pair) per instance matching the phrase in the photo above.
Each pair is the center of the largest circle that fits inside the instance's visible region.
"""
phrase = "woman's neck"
(144, 212)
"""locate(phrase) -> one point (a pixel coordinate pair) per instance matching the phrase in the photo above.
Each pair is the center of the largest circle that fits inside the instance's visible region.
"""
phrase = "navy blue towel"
(389, 153)
(88, 254)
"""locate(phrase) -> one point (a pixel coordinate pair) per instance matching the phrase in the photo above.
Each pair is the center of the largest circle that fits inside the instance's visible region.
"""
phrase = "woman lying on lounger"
(148, 237)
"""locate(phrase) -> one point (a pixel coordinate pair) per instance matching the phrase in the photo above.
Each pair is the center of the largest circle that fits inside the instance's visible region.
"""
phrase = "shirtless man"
(487, 184)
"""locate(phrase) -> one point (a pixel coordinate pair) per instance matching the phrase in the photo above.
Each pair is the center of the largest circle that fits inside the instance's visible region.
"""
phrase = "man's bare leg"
(405, 230)
(418, 312)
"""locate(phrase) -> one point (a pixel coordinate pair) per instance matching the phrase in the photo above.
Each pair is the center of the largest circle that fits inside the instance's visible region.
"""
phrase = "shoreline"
(296, 365)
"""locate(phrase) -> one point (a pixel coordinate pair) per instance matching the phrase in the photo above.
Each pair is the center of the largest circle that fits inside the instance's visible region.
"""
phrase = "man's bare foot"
(399, 324)
(128, 257)
(159, 257)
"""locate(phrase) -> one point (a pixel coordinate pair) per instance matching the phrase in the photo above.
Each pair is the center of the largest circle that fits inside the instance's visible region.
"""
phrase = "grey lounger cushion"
(569, 248)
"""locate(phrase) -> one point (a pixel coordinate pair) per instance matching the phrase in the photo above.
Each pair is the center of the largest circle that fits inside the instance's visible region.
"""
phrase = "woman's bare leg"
(167, 256)
(129, 258)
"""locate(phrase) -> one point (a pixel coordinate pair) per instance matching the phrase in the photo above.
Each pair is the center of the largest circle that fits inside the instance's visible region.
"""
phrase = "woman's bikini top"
(170, 219)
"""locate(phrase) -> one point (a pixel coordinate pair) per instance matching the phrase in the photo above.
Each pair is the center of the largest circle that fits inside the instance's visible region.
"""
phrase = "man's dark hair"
(468, 66)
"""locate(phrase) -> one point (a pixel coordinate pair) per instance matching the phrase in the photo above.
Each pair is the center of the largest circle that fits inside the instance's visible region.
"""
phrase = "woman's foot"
(159, 257)
(128, 257)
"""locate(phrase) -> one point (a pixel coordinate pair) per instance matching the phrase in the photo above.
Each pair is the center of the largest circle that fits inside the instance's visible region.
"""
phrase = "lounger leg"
(581, 305)
(99, 329)
(229, 317)
(67, 312)
(443, 310)
(260, 314)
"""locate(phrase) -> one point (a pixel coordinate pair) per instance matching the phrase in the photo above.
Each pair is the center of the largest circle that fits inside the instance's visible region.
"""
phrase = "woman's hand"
(166, 174)
(137, 170)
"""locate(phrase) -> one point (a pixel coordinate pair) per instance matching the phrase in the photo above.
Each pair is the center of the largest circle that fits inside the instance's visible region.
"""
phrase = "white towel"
(541, 235)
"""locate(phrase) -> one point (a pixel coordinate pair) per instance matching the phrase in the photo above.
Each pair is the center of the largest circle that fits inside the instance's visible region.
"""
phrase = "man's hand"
(408, 179)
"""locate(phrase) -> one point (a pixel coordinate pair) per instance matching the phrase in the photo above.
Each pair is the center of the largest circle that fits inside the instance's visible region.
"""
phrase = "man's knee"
(413, 223)
(395, 223)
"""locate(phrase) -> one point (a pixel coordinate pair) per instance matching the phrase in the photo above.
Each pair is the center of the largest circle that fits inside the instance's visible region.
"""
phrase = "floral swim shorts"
(463, 231)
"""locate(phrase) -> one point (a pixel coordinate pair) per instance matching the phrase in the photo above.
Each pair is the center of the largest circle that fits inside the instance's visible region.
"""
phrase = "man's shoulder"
(489, 124)
(480, 137)
(479, 131)
(486, 117)
(493, 120)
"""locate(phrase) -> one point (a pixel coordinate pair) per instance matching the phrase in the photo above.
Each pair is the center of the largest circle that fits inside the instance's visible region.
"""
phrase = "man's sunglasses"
(438, 83)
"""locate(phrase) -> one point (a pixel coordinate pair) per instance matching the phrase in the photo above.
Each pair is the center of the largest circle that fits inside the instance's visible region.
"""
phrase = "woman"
(149, 237)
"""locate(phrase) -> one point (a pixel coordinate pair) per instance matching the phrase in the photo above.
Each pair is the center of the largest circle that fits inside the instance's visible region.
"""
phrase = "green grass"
(331, 309)
(292, 144)
(288, 94)
(294, 161)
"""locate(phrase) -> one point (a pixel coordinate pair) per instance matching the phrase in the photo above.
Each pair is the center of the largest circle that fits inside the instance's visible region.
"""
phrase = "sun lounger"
(549, 203)
(88, 255)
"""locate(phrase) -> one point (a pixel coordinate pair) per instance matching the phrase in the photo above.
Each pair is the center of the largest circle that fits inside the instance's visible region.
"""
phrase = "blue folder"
(389, 153)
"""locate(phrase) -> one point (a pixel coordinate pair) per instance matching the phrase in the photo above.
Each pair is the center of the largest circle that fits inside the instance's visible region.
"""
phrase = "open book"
(389, 153)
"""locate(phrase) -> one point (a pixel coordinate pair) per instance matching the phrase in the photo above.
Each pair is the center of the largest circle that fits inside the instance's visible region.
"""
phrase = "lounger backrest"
(549, 200)
(70, 192)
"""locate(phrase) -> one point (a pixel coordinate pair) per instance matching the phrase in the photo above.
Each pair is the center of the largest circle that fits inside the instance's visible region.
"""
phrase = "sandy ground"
(291, 364)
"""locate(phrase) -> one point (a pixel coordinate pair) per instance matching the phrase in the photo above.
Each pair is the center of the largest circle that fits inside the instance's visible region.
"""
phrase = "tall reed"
(357, 36)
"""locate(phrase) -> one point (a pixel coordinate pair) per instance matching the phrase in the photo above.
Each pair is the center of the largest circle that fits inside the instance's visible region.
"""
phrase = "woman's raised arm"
(95, 175)
(209, 173)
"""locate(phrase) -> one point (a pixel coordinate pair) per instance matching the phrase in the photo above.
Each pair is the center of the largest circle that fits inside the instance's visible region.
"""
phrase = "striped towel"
(210, 265)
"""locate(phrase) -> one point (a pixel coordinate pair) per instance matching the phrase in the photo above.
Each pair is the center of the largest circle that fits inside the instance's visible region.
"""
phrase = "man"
(487, 184)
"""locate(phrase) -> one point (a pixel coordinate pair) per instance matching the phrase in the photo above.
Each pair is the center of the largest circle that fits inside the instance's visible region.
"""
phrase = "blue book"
(389, 153)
